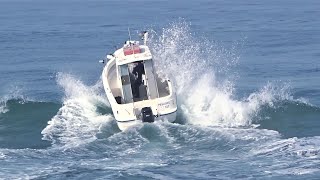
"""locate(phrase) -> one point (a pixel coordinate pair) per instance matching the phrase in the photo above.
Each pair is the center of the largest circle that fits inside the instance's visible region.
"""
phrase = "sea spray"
(196, 66)
(3, 107)
(77, 121)
(15, 93)
(181, 56)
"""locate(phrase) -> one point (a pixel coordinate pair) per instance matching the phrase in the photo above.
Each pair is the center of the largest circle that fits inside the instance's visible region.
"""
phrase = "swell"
(204, 101)
(291, 119)
(23, 121)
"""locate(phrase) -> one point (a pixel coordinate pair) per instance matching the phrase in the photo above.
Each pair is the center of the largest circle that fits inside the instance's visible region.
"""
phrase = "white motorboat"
(135, 91)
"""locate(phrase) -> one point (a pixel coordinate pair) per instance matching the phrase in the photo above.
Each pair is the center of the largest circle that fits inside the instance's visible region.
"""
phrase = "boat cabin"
(136, 76)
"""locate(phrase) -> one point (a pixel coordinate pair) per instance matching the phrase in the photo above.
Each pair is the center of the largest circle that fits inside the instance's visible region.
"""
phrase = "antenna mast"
(129, 34)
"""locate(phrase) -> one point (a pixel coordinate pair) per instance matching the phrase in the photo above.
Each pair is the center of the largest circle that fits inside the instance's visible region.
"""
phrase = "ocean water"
(246, 73)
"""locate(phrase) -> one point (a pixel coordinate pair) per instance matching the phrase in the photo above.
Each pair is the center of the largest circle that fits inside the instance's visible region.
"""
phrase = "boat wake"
(217, 128)
(203, 98)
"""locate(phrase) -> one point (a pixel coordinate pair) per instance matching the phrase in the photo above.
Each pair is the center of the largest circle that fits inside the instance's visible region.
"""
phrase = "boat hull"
(135, 99)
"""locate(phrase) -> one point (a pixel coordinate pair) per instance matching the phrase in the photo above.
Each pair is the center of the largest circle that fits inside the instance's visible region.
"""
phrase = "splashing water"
(77, 121)
(3, 107)
(15, 93)
(194, 64)
(204, 100)
(178, 54)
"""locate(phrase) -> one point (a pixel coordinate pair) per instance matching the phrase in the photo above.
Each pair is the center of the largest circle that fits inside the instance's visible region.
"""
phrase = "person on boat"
(137, 71)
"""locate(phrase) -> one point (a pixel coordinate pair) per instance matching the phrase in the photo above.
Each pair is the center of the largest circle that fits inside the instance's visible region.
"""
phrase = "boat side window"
(126, 84)
(125, 79)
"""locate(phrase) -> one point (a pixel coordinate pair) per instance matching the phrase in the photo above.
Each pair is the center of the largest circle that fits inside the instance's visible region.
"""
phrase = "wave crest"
(78, 120)
(201, 72)
(14, 94)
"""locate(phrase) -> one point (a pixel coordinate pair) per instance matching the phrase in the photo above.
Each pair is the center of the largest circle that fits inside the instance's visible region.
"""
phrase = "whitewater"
(218, 133)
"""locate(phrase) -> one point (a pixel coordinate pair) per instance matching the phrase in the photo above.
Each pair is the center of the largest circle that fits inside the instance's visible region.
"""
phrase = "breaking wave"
(204, 99)
(196, 66)
(78, 120)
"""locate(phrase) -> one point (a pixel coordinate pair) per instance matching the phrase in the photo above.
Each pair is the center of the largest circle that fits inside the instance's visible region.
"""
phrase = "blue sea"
(246, 74)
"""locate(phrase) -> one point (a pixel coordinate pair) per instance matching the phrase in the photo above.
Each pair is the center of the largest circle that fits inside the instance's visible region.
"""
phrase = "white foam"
(77, 121)
(297, 171)
(294, 156)
(2, 155)
(180, 56)
(301, 147)
(193, 64)
(3, 107)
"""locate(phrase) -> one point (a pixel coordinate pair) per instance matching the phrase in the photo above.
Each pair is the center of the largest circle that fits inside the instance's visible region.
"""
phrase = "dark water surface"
(246, 73)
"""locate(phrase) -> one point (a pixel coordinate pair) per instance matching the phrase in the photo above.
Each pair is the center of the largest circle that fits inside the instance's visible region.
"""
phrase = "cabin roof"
(121, 58)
